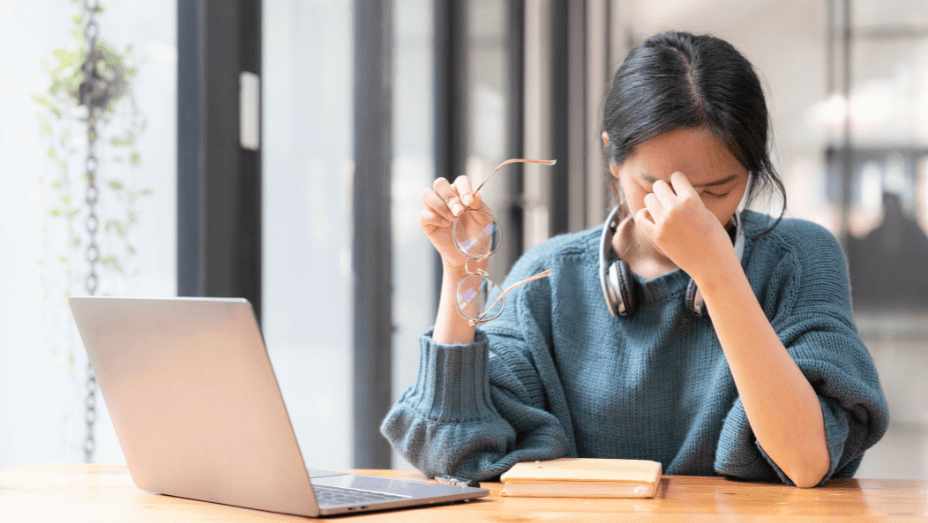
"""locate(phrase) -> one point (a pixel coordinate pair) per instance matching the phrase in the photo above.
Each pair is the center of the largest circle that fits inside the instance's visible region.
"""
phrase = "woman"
(722, 343)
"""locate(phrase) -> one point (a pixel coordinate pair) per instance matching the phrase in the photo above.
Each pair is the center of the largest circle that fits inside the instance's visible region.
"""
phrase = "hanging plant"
(110, 130)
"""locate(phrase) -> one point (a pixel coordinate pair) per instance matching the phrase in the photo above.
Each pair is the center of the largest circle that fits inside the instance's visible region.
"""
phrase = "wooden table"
(105, 493)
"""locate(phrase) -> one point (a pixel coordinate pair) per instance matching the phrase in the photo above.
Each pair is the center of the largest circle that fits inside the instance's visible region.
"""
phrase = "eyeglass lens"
(472, 295)
(476, 234)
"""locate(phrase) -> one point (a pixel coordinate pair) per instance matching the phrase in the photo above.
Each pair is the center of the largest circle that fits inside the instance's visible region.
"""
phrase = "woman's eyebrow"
(650, 179)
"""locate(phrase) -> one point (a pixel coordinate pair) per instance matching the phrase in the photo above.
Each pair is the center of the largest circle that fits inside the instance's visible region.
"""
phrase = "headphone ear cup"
(692, 304)
(626, 288)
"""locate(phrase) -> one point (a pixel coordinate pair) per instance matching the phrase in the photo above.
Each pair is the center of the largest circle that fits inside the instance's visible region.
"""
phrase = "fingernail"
(468, 199)
(456, 209)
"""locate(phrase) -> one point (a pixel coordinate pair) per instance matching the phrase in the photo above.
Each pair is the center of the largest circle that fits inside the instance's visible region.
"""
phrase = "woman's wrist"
(451, 272)
(451, 328)
(719, 277)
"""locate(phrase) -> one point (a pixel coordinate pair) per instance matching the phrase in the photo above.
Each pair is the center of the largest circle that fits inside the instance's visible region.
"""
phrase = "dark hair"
(678, 80)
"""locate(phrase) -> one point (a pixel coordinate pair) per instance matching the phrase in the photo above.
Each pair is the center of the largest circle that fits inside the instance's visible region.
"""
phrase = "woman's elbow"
(811, 474)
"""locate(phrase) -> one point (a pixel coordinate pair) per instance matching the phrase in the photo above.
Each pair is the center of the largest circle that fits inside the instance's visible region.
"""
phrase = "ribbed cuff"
(453, 381)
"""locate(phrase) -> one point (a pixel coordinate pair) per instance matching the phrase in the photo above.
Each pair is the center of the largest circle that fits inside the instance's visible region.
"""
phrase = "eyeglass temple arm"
(540, 275)
(513, 160)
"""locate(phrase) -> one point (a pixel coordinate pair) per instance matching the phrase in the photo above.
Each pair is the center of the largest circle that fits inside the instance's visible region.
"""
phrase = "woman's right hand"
(443, 202)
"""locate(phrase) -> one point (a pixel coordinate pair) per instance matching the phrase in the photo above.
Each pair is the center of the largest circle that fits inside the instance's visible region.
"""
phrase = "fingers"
(435, 203)
(682, 186)
(449, 193)
(645, 222)
(654, 207)
(463, 188)
(429, 219)
(664, 193)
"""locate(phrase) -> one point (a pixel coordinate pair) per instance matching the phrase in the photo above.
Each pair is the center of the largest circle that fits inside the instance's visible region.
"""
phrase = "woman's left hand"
(677, 221)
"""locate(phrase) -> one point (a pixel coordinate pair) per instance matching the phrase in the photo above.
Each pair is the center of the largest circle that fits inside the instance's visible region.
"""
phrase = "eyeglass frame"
(480, 272)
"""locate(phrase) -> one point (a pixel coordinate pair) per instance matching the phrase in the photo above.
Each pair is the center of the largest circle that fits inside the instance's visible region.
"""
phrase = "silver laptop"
(199, 414)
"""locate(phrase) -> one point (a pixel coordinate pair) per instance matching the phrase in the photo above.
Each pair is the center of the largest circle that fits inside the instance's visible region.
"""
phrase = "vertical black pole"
(558, 218)
(846, 165)
(830, 50)
(515, 132)
(371, 249)
(219, 182)
(191, 145)
(450, 87)
(248, 266)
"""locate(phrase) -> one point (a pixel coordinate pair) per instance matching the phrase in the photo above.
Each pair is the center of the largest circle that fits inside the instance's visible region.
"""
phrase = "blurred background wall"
(469, 83)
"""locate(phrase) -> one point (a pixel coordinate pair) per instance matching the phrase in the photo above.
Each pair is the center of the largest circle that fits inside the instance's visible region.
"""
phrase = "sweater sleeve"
(810, 306)
(476, 410)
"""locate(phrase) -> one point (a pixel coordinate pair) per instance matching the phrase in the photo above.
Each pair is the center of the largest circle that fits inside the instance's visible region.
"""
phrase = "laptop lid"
(194, 400)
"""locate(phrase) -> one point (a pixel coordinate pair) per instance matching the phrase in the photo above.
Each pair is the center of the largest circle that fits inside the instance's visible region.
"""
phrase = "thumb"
(643, 222)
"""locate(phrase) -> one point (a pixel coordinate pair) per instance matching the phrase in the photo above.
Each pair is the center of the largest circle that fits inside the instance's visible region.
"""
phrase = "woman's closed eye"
(717, 195)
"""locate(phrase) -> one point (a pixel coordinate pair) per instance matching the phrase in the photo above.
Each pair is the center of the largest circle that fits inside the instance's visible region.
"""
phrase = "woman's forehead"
(697, 153)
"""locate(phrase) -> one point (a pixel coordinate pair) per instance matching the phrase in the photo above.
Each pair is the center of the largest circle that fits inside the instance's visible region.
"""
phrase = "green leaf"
(110, 261)
(146, 192)
(126, 140)
(65, 198)
(54, 212)
(134, 158)
(117, 186)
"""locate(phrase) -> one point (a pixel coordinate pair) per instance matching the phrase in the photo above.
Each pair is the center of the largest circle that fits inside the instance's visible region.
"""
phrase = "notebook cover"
(585, 469)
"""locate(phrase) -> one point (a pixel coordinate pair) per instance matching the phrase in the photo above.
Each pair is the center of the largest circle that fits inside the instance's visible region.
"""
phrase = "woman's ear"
(612, 167)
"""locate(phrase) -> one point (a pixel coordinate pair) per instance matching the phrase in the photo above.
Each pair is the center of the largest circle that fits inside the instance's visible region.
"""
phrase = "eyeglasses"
(478, 235)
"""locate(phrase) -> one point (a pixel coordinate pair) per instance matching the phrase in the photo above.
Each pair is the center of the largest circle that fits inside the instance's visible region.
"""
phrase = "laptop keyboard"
(338, 496)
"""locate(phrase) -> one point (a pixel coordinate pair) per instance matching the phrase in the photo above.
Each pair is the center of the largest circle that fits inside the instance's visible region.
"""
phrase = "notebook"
(583, 477)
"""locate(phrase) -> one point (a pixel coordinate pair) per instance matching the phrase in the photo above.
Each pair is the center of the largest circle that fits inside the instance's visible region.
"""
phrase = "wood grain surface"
(105, 493)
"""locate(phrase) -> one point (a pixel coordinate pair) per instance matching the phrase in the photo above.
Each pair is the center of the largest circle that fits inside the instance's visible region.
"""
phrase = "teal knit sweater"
(555, 375)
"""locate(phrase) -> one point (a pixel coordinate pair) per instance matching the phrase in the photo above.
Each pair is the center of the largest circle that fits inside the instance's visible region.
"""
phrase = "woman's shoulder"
(563, 249)
(803, 239)
(797, 259)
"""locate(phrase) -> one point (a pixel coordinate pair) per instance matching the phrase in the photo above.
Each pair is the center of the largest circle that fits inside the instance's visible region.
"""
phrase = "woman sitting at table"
(684, 330)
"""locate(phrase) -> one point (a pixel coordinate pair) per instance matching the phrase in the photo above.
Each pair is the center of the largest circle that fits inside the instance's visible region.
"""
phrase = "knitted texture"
(555, 375)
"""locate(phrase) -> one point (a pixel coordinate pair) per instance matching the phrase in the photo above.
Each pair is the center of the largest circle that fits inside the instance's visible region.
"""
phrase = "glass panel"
(413, 171)
(307, 60)
(486, 107)
(42, 360)
(909, 15)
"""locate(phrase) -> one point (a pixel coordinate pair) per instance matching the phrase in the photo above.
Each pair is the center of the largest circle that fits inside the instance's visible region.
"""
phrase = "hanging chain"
(87, 98)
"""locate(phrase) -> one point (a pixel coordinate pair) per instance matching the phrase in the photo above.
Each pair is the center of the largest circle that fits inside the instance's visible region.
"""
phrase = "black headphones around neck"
(619, 287)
